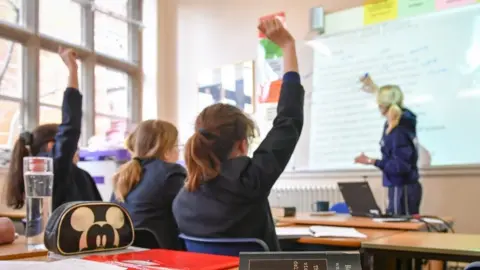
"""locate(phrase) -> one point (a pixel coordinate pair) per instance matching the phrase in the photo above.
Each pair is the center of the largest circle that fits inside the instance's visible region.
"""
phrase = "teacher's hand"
(368, 85)
(363, 159)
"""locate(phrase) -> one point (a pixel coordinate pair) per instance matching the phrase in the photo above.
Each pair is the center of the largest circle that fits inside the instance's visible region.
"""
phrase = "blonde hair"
(391, 97)
(150, 139)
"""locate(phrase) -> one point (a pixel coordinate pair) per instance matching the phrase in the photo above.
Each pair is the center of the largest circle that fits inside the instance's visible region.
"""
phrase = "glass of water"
(38, 176)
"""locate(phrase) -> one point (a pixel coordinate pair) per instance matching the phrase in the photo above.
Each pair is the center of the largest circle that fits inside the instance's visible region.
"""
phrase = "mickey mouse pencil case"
(85, 227)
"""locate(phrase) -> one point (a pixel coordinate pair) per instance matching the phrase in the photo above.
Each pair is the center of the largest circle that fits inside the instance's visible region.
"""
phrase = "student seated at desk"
(60, 142)
(147, 184)
(226, 193)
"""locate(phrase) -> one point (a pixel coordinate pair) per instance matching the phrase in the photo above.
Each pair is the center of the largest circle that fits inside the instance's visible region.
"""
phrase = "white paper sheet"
(74, 264)
(17, 265)
(327, 231)
(293, 232)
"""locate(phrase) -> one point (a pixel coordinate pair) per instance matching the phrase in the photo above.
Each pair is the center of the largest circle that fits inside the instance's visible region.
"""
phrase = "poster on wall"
(232, 84)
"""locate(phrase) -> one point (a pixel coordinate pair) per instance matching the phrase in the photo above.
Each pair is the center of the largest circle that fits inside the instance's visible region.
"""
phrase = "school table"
(344, 220)
(13, 214)
(423, 245)
(18, 250)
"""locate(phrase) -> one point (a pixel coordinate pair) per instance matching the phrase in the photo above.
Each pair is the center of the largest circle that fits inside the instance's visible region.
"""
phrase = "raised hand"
(275, 31)
(69, 57)
(368, 85)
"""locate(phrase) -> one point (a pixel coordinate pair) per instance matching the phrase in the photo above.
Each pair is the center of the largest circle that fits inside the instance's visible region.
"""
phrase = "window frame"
(27, 34)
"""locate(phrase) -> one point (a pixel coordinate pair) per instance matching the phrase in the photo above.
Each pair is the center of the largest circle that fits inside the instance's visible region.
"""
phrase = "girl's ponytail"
(15, 188)
(126, 178)
(201, 162)
(394, 114)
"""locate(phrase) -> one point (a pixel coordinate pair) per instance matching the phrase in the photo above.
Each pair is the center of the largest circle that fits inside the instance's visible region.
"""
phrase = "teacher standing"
(399, 150)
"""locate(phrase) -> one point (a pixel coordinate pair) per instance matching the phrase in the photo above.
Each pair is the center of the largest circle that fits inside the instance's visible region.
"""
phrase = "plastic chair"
(223, 246)
(473, 266)
(340, 208)
(145, 238)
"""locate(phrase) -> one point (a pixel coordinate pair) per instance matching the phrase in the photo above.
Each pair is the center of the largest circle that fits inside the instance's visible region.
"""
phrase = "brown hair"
(150, 139)
(217, 129)
(28, 144)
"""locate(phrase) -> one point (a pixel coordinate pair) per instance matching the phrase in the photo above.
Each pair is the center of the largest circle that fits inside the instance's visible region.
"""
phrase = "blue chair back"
(473, 266)
(340, 208)
(223, 246)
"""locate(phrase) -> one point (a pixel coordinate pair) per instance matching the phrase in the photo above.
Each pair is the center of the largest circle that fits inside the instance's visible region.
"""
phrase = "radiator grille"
(302, 197)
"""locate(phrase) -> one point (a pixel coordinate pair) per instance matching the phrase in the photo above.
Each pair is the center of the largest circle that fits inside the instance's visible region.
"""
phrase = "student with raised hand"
(147, 184)
(226, 192)
(399, 150)
(57, 141)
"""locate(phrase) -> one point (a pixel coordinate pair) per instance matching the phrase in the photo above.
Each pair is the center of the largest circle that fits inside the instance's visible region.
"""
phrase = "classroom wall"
(224, 32)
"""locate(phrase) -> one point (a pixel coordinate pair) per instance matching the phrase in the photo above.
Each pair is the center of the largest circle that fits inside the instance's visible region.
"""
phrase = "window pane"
(116, 6)
(113, 129)
(61, 19)
(49, 115)
(10, 10)
(53, 78)
(9, 122)
(111, 92)
(111, 36)
(10, 69)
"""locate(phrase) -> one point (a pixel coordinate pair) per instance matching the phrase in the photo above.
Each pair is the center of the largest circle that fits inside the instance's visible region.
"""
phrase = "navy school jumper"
(235, 203)
(70, 183)
(149, 203)
(399, 166)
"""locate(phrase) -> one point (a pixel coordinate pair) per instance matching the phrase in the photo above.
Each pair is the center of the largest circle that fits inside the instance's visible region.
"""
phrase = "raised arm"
(66, 139)
(275, 151)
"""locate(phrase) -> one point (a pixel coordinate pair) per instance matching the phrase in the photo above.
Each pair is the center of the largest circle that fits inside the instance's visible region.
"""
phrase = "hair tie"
(207, 134)
(27, 138)
(137, 159)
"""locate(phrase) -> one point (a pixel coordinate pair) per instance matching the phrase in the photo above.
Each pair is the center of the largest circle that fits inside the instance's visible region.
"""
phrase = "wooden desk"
(423, 245)
(13, 214)
(371, 234)
(343, 220)
(18, 250)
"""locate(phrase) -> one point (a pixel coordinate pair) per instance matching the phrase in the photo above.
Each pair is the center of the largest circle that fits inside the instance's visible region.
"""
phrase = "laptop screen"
(359, 198)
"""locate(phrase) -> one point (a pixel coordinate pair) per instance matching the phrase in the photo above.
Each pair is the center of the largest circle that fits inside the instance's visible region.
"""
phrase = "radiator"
(302, 197)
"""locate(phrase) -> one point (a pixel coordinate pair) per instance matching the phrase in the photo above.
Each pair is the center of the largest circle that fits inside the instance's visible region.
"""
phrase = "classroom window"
(61, 19)
(111, 35)
(50, 115)
(113, 129)
(10, 69)
(53, 78)
(111, 97)
(118, 7)
(10, 10)
(31, 73)
(9, 122)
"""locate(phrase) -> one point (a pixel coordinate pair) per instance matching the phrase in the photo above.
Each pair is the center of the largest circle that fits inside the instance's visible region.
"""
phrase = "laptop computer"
(359, 198)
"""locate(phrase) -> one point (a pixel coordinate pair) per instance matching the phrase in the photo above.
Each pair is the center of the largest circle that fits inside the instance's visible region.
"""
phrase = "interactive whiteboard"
(434, 58)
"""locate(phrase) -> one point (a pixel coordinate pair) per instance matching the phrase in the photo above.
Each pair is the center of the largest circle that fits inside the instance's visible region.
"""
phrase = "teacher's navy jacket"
(400, 153)
(235, 203)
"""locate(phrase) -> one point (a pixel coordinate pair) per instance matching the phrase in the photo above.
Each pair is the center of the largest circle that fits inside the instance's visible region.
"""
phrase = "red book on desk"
(161, 259)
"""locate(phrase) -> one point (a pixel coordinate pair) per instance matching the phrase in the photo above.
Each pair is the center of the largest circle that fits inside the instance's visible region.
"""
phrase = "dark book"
(311, 260)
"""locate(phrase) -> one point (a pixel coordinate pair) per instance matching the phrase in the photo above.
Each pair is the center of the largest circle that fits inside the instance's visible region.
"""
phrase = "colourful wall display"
(378, 11)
